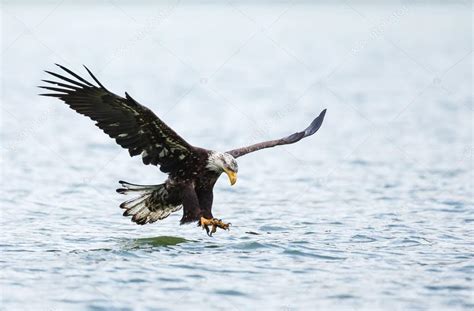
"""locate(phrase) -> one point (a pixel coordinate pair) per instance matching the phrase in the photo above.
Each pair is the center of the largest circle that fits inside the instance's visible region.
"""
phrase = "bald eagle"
(192, 171)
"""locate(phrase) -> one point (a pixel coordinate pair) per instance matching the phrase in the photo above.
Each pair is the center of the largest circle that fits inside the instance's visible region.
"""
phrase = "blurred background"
(373, 211)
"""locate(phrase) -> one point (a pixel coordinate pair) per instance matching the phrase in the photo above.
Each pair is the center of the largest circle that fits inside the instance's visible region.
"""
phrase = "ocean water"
(375, 211)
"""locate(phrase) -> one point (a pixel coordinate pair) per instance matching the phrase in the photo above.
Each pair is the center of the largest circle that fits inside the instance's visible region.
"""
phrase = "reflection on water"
(158, 241)
(373, 212)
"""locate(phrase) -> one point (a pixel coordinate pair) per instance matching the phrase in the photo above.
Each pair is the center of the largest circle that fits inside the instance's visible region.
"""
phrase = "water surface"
(374, 211)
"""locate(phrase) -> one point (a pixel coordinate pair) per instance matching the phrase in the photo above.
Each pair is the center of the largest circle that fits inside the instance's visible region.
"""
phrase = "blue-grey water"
(373, 212)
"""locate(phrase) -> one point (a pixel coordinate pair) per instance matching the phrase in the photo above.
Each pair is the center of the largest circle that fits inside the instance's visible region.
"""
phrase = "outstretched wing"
(293, 138)
(132, 125)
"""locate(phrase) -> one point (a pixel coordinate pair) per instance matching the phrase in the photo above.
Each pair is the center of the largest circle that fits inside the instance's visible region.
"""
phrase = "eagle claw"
(214, 223)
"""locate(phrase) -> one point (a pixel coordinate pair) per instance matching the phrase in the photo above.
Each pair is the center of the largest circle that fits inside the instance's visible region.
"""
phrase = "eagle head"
(223, 162)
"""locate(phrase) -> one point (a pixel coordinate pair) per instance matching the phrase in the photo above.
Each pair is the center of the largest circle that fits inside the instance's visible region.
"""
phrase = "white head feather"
(221, 161)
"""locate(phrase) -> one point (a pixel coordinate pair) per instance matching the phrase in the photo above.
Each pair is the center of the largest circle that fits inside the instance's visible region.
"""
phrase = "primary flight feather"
(192, 171)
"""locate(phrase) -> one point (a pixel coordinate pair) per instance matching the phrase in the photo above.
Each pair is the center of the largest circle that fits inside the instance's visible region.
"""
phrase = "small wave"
(307, 254)
(230, 292)
(342, 296)
(251, 245)
(273, 228)
(362, 238)
(447, 287)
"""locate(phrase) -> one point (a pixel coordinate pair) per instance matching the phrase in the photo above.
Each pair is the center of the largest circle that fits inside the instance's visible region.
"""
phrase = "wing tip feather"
(316, 124)
(93, 77)
(51, 94)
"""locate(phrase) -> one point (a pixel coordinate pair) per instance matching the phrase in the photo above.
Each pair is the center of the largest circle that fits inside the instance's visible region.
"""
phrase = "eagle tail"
(151, 204)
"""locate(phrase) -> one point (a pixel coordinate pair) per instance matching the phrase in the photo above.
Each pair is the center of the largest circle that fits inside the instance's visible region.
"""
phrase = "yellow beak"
(232, 176)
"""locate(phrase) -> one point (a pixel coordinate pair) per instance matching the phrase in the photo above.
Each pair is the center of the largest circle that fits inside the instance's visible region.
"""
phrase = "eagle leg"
(214, 223)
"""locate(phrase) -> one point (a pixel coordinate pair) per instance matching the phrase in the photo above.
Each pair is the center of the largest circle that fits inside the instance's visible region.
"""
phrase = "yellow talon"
(215, 223)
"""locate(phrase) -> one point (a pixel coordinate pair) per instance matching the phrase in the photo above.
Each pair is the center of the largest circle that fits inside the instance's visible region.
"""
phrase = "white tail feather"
(151, 205)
